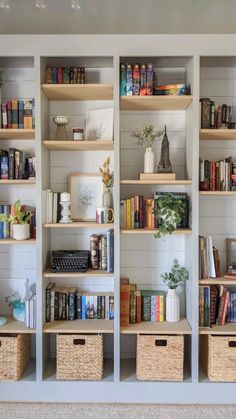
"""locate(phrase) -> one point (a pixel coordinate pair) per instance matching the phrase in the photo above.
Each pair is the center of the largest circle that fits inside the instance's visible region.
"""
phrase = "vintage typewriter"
(70, 260)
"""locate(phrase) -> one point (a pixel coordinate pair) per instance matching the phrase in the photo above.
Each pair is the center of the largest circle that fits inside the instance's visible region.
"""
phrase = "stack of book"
(209, 260)
(6, 230)
(217, 176)
(137, 306)
(217, 305)
(213, 116)
(16, 164)
(68, 303)
(102, 251)
(137, 212)
(172, 89)
(30, 312)
(18, 114)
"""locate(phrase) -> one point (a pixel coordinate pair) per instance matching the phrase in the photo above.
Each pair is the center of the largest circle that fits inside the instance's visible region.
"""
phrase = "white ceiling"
(121, 16)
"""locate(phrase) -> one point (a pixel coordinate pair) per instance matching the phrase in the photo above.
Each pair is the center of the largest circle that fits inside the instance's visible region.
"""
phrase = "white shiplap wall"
(217, 214)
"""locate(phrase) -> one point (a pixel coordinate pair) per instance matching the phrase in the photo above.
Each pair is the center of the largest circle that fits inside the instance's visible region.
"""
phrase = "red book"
(124, 305)
(138, 307)
(225, 306)
(9, 115)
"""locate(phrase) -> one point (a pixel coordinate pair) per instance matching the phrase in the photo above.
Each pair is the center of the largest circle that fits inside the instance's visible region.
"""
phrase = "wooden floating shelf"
(16, 242)
(156, 182)
(87, 145)
(218, 134)
(148, 231)
(80, 224)
(13, 326)
(154, 103)
(227, 329)
(79, 326)
(17, 134)
(89, 273)
(217, 281)
(182, 327)
(218, 193)
(17, 182)
(78, 91)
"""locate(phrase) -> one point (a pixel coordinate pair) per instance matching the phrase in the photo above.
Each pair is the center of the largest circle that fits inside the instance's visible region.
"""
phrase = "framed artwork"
(231, 255)
(99, 124)
(86, 195)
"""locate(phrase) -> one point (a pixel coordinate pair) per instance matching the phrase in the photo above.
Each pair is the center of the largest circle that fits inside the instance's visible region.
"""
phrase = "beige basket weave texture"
(14, 356)
(160, 358)
(79, 357)
(220, 354)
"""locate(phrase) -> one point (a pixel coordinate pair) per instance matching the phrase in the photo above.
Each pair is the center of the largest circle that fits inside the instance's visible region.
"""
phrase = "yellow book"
(162, 314)
(128, 213)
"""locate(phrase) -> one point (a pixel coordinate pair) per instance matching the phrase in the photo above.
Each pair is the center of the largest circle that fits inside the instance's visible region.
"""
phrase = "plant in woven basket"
(169, 212)
(176, 277)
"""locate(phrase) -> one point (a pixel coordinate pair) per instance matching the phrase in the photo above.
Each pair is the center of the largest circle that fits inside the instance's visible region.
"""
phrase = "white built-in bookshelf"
(138, 255)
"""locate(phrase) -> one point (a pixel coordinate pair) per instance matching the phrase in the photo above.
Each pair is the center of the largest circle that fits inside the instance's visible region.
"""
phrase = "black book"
(48, 301)
(11, 163)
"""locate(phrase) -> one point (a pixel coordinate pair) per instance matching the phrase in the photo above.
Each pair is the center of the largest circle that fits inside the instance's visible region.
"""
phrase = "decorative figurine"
(164, 165)
(65, 212)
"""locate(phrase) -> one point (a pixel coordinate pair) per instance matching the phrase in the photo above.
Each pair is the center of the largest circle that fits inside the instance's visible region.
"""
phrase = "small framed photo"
(86, 195)
(231, 256)
(99, 124)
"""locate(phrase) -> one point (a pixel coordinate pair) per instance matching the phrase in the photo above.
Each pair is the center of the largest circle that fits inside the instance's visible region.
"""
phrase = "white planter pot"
(149, 161)
(172, 306)
(21, 231)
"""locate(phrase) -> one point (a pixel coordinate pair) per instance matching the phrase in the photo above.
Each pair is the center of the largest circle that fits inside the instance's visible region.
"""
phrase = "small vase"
(149, 160)
(18, 311)
(107, 200)
(172, 306)
(21, 231)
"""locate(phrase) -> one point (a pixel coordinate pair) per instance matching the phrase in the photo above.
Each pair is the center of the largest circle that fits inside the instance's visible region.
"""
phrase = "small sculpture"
(164, 165)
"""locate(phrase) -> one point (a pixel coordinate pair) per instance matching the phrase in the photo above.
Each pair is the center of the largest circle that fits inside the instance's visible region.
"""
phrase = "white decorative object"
(21, 231)
(65, 212)
(99, 124)
(149, 160)
(172, 306)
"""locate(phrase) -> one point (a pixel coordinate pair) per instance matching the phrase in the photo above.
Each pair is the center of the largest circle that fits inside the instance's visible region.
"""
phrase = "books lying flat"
(157, 176)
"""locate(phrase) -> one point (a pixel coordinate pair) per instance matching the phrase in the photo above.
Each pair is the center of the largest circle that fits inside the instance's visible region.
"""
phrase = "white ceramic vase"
(172, 306)
(21, 231)
(149, 160)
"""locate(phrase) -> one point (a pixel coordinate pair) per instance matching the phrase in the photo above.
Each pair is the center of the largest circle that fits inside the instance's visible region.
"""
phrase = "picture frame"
(229, 251)
(99, 124)
(86, 191)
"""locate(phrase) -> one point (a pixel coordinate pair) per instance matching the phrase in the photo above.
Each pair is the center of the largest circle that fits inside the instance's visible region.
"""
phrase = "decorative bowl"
(61, 120)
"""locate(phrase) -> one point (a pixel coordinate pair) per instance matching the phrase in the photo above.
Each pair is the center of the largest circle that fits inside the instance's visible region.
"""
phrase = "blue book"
(1, 224)
(6, 225)
(21, 113)
(110, 250)
(83, 298)
(4, 167)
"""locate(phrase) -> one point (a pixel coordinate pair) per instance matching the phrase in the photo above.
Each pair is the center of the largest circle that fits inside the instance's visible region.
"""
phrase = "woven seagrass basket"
(219, 357)
(160, 358)
(14, 356)
(79, 357)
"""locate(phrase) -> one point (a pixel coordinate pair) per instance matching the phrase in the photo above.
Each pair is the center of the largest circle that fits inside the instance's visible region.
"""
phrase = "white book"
(47, 205)
(108, 250)
(31, 312)
(210, 257)
(50, 206)
(54, 215)
(107, 307)
(27, 312)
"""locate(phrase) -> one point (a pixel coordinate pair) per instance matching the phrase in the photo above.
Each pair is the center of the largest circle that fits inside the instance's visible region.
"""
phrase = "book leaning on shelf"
(69, 303)
(30, 312)
(209, 260)
(217, 305)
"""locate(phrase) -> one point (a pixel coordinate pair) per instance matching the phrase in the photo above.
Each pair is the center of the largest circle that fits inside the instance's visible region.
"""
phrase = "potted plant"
(108, 181)
(19, 220)
(17, 304)
(147, 136)
(173, 279)
(169, 211)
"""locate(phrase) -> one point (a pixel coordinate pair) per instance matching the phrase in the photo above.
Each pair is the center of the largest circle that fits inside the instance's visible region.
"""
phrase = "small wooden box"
(219, 357)
(79, 357)
(160, 358)
(14, 356)
(157, 176)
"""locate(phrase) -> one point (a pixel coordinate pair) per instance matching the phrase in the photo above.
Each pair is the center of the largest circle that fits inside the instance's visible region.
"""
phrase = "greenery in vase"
(19, 216)
(176, 277)
(169, 213)
(146, 136)
(107, 175)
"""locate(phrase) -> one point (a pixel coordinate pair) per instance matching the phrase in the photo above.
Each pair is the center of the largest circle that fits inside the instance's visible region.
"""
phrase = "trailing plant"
(169, 212)
(18, 216)
(176, 277)
(107, 175)
(147, 135)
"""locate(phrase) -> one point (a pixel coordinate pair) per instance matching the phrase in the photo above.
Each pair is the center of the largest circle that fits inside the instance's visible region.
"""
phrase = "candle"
(65, 197)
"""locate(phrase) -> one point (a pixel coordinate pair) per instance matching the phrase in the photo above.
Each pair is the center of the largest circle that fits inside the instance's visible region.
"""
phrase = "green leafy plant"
(147, 135)
(169, 212)
(176, 277)
(18, 216)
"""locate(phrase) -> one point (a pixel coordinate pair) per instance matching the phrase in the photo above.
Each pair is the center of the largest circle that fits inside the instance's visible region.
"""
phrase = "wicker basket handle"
(232, 343)
(161, 342)
(79, 341)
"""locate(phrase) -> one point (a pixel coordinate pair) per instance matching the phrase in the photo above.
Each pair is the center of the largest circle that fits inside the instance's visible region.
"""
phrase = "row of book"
(6, 229)
(16, 164)
(68, 303)
(217, 305)
(51, 207)
(18, 114)
(102, 251)
(30, 312)
(141, 80)
(137, 306)
(139, 212)
(65, 75)
(209, 260)
(217, 176)
(213, 116)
